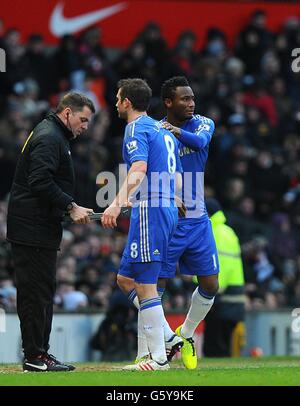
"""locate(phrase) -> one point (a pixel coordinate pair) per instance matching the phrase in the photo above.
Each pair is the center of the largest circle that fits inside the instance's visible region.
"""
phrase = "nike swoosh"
(60, 25)
(41, 367)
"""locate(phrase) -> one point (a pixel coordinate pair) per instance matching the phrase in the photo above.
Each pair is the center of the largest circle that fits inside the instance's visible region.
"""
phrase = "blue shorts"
(141, 272)
(193, 246)
(150, 232)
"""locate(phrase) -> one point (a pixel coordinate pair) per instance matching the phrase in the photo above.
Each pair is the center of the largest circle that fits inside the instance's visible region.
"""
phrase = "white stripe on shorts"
(147, 235)
(141, 233)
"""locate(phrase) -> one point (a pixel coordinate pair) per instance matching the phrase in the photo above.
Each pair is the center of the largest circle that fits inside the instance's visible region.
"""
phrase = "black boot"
(43, 363)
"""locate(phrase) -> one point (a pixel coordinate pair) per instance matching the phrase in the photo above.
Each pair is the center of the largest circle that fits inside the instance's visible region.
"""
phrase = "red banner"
(122, 20)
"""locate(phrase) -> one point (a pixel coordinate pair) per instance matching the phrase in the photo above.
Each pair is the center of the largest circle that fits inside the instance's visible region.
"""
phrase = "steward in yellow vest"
(229, 307)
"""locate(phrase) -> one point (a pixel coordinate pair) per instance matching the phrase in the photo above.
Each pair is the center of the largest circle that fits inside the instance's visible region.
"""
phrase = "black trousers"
(217, 336)
(35, 270)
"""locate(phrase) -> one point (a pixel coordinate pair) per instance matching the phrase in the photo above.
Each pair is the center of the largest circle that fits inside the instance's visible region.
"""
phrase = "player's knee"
(211, 285)
(125, 284)
(120, 282)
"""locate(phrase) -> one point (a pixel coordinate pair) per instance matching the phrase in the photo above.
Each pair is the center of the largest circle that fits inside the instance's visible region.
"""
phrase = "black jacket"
(43, 186)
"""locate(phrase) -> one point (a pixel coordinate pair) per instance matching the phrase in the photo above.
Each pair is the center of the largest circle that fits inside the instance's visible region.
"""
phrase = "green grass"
(277, 371)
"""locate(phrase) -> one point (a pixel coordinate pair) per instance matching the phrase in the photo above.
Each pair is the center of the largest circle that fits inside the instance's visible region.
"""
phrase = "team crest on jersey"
(131, 146)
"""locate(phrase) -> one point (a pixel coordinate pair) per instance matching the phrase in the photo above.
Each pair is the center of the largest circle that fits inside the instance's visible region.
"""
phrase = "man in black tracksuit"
(41, 193)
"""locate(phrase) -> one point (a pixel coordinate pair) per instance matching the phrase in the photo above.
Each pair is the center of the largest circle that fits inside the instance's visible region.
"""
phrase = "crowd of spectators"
(251, 93)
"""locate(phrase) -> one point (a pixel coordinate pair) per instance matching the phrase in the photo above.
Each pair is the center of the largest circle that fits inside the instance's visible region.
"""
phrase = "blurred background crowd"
(251, 93)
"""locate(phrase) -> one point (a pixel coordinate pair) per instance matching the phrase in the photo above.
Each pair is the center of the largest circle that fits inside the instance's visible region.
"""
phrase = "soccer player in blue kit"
(149, 151)
(193, 244)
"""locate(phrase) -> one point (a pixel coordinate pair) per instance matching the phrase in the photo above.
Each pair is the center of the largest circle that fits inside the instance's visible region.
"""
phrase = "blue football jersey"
(193, 161)
(193, 245)
(145, 140)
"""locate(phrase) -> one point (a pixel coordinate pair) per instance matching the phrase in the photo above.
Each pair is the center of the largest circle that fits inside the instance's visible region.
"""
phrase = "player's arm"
(196, 141)
(133, 180)
(136, 154)
(178, 195)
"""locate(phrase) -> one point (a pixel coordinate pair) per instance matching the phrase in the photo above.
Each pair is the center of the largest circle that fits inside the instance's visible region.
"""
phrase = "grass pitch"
(265, 371)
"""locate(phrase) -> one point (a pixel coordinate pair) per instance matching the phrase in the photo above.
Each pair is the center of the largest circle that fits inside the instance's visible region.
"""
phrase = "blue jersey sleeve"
(200, 138)
(136, 146)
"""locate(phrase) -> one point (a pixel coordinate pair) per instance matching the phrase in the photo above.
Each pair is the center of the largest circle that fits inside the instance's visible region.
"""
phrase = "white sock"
(168, 332)
(136, 302)
(142, 346)
(199, 308)
(152, 317)
(132, 296)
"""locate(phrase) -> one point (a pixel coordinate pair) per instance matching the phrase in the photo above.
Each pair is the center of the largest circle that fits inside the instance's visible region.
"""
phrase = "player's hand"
(181, 207)
(80, 215)
(174, 130)
(127, 204)
(110, 215)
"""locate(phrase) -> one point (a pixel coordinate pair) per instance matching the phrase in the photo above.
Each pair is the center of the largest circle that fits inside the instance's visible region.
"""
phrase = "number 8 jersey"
(145, 140)
(154, 214)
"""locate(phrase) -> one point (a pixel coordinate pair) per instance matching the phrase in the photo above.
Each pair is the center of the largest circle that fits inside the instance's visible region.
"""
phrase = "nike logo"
(40, 367)
(60, 25)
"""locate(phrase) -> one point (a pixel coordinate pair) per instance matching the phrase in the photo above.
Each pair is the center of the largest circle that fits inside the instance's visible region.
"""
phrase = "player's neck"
(174, 121)
(133, 115)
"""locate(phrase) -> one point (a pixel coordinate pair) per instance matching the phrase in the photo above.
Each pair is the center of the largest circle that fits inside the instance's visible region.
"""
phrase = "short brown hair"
(137, 91)
(76, 102)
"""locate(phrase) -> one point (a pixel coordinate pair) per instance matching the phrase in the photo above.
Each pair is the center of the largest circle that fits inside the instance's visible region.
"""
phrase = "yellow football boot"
(188, 351)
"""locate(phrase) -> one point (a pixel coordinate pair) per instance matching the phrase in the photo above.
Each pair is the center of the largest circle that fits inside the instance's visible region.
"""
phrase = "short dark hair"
(76, 102)
(168, 88)
(137, 91)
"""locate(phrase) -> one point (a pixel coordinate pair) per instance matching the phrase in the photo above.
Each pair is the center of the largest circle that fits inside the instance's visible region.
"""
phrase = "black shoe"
(43, 363)
(70, 367)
